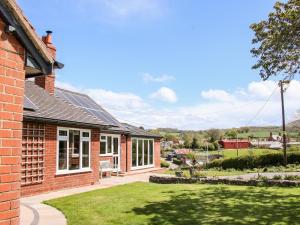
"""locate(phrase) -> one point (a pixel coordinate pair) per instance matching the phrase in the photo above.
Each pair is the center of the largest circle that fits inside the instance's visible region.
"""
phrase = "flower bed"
(251, 182)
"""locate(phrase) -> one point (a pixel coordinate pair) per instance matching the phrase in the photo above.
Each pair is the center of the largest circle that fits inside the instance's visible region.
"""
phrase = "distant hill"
(293, 129)
(295, 125)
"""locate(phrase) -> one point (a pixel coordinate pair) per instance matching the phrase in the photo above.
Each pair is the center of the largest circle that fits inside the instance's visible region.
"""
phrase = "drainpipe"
(126, 156)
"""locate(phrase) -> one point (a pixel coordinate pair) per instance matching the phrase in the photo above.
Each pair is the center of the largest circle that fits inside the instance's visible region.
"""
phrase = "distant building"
(274, 137)
(233, 144)
(166, 144)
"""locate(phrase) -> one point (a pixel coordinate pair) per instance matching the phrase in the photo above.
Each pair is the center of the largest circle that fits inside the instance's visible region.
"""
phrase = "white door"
(116, 153)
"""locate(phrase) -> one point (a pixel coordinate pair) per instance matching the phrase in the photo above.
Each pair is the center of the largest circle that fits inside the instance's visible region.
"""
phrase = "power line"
(262, 108)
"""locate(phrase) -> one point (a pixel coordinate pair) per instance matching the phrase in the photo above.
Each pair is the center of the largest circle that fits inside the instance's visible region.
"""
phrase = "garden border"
(240, 182)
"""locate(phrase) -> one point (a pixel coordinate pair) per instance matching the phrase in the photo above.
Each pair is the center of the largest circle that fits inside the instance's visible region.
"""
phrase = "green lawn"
(143, 203)
(232, 153)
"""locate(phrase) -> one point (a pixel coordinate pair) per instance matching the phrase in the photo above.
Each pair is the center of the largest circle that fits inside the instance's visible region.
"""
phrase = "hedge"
(164, 164)
(177, 161)
(250, 162)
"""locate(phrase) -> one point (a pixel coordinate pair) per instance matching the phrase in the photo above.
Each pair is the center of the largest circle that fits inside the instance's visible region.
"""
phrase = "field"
(182, 204)
(231, 153)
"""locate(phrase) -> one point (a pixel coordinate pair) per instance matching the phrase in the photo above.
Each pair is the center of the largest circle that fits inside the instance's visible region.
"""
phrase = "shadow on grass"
(222, 205)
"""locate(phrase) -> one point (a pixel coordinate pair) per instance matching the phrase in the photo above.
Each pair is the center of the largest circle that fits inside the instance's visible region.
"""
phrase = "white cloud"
(217, 95)
(261, 89)
(163, 78)
(165, 94)
(122, 102)
(126, 102)
(208, 113)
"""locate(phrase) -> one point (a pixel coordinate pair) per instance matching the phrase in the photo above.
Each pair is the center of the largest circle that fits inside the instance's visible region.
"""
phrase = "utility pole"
(281, 83)
(237, 145)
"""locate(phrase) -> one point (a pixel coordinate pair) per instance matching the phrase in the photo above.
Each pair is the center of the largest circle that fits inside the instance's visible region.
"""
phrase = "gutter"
(60, 122)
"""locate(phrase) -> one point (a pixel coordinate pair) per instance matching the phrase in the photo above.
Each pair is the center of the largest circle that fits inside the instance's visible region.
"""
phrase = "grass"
(182, 204)
(232, 153)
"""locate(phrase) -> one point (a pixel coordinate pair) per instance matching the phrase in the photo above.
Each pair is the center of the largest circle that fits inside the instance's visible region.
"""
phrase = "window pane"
(102, 147)
(116, 146)
(133, 152)
(146, 152)
(74, 141)
(103, 138)
(63, 133)
(140, 153)
(74, 149)
(85, 154)
(151, 152)
(62, 155)
(109, 144)
(85, 134)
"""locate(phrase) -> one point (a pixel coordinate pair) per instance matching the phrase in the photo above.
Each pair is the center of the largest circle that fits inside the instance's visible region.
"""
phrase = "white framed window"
(109, 144)
(73, 150)
(142, 153)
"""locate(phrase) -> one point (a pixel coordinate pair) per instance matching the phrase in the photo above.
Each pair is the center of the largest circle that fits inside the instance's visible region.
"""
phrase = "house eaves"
(26, 35)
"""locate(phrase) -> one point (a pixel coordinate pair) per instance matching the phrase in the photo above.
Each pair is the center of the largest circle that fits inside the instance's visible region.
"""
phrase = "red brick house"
(22, 55)
(66, 135)
(47, 142)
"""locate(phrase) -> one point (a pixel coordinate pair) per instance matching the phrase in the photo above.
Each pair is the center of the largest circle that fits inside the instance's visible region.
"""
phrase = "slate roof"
(52, 109)
(139, 132)
(71, 107)
(88, 105)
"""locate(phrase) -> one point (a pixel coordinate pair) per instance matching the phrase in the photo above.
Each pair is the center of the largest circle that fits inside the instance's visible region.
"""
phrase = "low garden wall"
(251, 182)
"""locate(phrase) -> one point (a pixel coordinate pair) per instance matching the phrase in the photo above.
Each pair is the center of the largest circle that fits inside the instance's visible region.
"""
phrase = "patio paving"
(34, 212)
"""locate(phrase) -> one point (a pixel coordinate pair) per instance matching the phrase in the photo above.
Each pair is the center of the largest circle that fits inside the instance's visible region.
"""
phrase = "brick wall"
(129, 153)
(48, 82)
(157, 153)
(55, 182)
(123, 153)
(12, 77)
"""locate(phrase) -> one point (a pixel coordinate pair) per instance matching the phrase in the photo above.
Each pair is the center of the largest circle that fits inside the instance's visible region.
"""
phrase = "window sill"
(106, 155)
(142, 167)
(61, 173)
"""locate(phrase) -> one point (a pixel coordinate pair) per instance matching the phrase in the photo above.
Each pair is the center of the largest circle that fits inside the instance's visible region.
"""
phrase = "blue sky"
(162, 62)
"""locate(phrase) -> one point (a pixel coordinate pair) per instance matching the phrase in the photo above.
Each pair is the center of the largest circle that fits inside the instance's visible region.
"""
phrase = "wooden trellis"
(33, 150)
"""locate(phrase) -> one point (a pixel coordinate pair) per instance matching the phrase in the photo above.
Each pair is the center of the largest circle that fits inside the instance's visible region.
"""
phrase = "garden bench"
(106, 166)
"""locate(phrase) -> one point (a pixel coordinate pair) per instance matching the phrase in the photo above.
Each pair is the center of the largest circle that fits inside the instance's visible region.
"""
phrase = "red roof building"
(234, 144)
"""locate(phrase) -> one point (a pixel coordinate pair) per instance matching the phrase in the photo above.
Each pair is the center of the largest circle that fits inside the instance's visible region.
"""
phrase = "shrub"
(294, 149)
(164, 164)
(199, 174)
(291, 177)
(250, 162)
(177, 161)
(211, 147)
(277, 177)
(216, 145)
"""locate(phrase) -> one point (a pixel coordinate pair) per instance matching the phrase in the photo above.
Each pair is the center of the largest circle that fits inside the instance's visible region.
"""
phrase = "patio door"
(116, 153)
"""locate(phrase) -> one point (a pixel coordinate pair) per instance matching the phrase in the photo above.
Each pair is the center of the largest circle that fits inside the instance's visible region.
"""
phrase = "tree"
(195, 144)
(277, 41)
(214, 135)
(231, 133)
(187, 140)
(170, 137)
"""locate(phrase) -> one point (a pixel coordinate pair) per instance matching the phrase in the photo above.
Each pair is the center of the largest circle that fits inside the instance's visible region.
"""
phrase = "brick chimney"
(48, 81)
